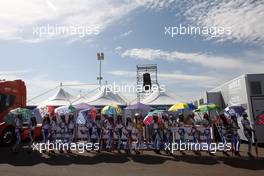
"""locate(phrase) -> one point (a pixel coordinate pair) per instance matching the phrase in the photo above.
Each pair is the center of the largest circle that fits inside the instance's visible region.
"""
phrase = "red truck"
(12, 95)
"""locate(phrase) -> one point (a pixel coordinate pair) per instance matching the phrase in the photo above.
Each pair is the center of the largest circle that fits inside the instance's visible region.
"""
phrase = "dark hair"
(110, 120)
(128, 120)
(98, 116)
(70, 118)
(234, 118)
(119, 120)
(206, 117)
(181, 118)
(62, 118)
(46, 119)
(33, 121)
(155, 118)
(54, 118)
(224, 120)
(19, 116)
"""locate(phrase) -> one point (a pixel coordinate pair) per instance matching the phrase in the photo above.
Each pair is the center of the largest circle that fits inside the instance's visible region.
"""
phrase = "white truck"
(246, 90)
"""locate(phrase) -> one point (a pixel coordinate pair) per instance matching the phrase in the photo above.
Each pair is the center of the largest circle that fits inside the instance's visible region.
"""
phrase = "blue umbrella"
(192, 106)
(82, 116)
(235, 110)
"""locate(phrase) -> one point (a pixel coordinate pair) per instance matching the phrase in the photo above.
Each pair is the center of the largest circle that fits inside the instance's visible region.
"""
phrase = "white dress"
(71, 125)
(53, 125)
(117, 134)
(104, 133)
(94, 134)
(134, 134)
(124, 134)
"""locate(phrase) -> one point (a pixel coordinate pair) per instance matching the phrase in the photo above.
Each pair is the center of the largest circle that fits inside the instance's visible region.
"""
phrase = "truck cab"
(12, 95)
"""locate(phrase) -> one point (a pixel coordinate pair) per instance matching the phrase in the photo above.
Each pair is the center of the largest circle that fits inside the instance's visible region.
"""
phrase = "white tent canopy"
(104, 96)
(60, 98)
(159, 98)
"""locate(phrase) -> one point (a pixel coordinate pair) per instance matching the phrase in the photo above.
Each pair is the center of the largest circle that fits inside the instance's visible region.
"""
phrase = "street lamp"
(100, 57)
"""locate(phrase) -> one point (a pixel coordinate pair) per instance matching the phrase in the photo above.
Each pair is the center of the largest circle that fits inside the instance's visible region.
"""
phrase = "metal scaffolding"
(142, 69)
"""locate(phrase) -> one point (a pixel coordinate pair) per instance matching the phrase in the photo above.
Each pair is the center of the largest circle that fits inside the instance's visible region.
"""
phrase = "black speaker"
(146, 81)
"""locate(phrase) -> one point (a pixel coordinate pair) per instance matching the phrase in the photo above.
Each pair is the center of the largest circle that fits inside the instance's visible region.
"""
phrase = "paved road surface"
(24, 164)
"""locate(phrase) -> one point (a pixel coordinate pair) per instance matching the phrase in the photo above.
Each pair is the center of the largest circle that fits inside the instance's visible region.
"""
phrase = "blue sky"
(131, 32)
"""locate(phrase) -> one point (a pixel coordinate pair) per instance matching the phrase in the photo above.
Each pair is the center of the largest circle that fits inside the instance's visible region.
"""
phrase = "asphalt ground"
(147, 163)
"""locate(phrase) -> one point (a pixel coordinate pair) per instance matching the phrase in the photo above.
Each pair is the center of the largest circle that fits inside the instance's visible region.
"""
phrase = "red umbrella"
(260, 119)
(149, 118)
(93, 113)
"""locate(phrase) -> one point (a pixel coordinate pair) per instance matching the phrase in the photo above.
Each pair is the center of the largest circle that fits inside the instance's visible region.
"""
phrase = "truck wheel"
(8, 137)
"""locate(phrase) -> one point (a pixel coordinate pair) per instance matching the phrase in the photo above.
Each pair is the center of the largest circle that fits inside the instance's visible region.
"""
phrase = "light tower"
(100, 57)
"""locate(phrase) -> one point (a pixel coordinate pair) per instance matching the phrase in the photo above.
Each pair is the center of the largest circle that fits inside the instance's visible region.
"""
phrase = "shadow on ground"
(149, 158)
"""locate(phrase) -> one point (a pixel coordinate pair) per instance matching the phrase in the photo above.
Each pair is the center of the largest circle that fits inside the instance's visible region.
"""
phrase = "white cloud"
(125, 34)
(211, 61)
(125, 73)
(243, 17)
(118, 49)
(165, 76)
(183, 77)
(17, 18)
(14, 72)
(156, 4)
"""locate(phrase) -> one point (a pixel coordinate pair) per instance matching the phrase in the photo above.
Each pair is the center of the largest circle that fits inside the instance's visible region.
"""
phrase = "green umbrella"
(26, 115)
(207, 107)
(65, 110)
(155, 112)
(72, 109)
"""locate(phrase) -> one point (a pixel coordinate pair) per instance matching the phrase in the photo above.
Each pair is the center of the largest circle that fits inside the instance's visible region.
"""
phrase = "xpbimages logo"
(191, 146)
(79, 147)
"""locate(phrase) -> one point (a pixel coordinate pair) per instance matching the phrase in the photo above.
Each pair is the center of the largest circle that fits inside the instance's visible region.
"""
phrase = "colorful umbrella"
(26, 115)
(182, 106)
(192, 106)
(149, 118)
(40, 111)
(93, 113)
(111, 110)
(235, 110)
(207, 107)
(85, 114)
(260, 119)
(65, 110)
